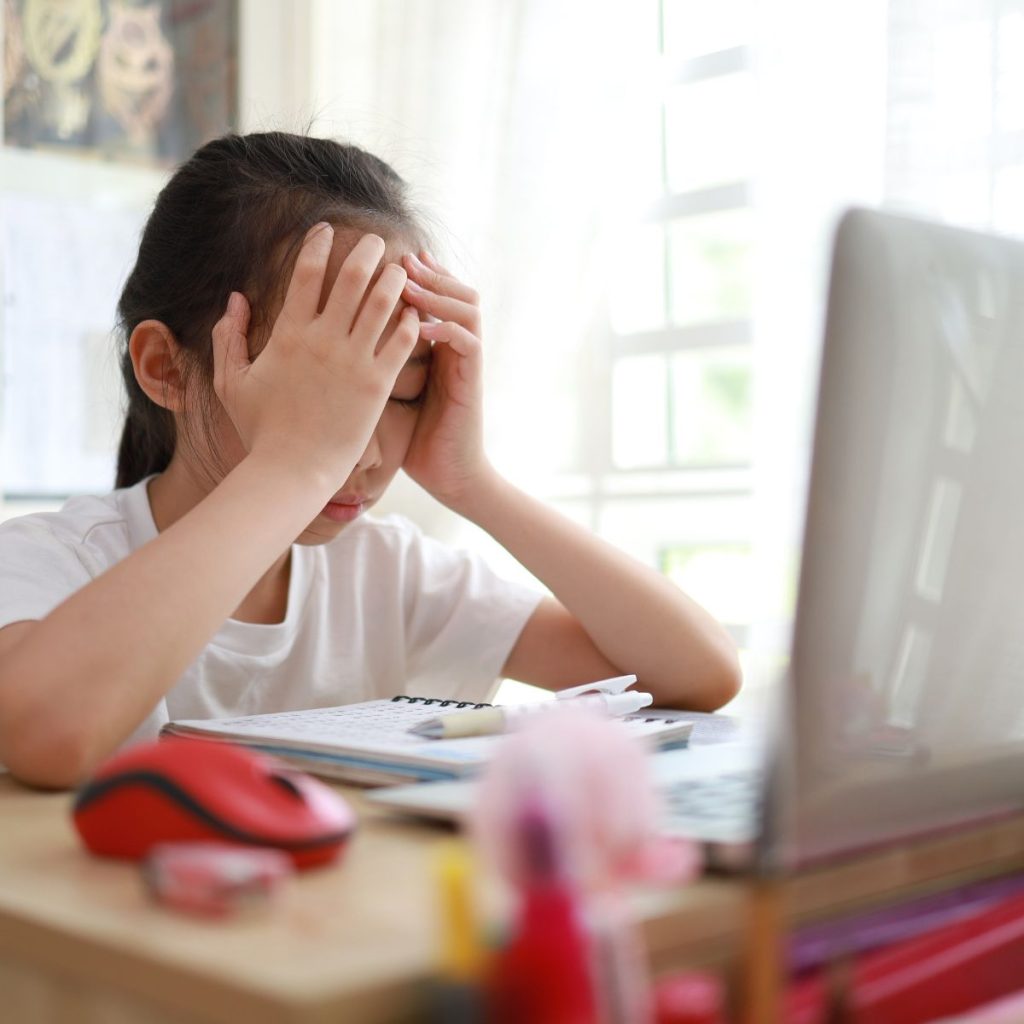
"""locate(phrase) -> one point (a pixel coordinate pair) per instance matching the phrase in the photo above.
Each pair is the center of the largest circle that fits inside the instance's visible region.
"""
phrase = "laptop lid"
(905, 694)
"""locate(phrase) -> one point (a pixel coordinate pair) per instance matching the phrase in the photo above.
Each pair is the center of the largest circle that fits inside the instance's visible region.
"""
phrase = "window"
(955, 145)
(674, 483)
(665, 473)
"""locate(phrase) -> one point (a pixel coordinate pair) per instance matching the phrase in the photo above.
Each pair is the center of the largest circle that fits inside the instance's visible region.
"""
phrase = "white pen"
(488, 721)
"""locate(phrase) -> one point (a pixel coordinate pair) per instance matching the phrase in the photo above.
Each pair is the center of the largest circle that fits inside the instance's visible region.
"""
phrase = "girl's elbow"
(733, 671)
(45, 757)
(43, 743)
(729, 683)
(47, 766)
(706, 688)
(724, 679)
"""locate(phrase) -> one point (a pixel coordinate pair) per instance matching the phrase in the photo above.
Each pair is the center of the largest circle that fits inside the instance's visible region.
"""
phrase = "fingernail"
(418, 261)
(234, 303)
(413, 286)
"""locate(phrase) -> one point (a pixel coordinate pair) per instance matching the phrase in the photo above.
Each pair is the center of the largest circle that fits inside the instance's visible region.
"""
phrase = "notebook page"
(381, 728)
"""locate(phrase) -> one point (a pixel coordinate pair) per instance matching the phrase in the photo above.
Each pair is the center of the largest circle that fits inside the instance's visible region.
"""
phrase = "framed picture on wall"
(143, 81)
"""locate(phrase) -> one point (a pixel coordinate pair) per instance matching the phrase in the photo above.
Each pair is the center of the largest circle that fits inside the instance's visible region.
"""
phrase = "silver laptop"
(902, 709)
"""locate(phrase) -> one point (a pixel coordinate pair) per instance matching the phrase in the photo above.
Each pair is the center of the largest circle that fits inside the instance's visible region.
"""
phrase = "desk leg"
(762, 969)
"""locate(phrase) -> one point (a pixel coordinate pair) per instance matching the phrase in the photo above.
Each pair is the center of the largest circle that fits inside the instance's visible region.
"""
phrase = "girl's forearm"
(83, 678)
(639, 620)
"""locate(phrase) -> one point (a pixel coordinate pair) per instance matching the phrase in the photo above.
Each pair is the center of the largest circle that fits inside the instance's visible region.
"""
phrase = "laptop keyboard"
(722, 804)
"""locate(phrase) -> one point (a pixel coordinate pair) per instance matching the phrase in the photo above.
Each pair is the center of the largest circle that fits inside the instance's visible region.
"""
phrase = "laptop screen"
(906, 681)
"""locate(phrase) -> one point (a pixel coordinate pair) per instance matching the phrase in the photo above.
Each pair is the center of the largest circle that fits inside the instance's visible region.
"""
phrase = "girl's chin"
(319, 533)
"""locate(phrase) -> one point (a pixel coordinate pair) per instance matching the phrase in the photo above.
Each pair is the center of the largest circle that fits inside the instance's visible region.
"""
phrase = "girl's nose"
(371, 458)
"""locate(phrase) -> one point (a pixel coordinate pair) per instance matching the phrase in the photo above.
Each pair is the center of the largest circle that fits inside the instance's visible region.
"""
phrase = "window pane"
(637, 292)
(639, 411)
(708, 128)
(690, 29)
(711, 406)
(962, 80)
(1010, 85)
(1008, 200)
(645, 527)
(963, 198)
(710, 267)
(641, 145)
(718, 576)
(634, 26)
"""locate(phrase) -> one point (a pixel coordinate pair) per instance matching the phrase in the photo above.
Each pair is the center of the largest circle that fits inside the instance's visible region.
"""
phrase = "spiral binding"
(440, 702)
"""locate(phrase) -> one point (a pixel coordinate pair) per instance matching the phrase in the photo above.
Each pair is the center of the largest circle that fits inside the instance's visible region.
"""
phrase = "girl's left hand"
(446, 454)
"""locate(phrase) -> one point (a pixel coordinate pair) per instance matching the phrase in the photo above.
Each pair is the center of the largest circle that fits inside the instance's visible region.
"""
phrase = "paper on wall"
(64, 263)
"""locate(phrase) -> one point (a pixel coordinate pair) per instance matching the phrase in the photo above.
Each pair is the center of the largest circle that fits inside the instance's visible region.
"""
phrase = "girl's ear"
(155, 356)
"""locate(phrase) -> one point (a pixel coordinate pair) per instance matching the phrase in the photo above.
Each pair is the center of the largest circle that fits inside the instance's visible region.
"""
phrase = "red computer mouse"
(184, 789)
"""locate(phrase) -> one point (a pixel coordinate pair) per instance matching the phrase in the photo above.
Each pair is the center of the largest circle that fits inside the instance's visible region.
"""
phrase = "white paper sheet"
(64, 263)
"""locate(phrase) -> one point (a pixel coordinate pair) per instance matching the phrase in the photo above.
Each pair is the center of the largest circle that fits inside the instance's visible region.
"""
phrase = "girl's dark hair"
(232, 219)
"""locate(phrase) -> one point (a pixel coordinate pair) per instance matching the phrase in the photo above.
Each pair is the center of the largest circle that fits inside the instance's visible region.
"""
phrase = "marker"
(457, 995)
(489, 721)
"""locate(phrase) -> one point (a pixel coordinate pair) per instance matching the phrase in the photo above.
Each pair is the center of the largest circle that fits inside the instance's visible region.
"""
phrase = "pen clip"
(607, 686)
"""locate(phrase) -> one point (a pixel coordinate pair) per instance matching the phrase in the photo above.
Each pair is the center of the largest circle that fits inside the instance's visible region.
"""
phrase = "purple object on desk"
(818, 944)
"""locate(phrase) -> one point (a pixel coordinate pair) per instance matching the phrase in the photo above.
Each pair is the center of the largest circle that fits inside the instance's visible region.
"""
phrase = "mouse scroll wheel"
(288, 785)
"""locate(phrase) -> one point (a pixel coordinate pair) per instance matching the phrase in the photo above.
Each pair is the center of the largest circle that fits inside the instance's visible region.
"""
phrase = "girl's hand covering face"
(446, 455)
(315, 392)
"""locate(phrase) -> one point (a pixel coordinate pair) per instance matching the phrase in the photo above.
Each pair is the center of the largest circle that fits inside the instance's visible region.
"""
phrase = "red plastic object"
(214, 879)
(689, 997)
(949, 971)
(181, 790)
(543, 975)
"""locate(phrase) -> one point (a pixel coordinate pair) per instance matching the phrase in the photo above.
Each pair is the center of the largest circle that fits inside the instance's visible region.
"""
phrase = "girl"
(289, 345)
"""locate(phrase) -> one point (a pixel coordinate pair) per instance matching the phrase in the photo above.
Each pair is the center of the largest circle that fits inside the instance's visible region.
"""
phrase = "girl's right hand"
(316, 391)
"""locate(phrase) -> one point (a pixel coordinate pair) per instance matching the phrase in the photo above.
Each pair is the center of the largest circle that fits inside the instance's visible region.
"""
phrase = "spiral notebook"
(370, 742)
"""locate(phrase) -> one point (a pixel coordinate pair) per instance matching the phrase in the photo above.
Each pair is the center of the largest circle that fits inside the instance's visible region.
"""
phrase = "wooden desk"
(81, 944)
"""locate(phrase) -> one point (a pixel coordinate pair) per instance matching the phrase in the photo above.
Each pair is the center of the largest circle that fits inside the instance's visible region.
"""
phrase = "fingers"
(435, 291)
(454, 335)
(230, 345)
(398, 346)
(428, 273)
(303, 296)
(425, 257)
(379, 305)
(443, 307)
(349, 288)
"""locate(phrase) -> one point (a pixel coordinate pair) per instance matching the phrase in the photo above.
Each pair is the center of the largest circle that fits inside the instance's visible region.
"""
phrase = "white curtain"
(821, 69)
(510, 118)
(913, 105)
(521, 122)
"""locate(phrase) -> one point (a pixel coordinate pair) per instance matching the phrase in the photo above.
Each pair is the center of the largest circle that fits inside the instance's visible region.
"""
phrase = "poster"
(128, 80)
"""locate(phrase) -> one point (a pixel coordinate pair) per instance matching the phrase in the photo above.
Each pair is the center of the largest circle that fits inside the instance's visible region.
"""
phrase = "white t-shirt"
(378, 611)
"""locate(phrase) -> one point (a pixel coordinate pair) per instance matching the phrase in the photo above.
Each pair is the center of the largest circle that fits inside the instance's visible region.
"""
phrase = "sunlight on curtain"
(821, 116)
(515, 122)
(956, 112)
(645, 196)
